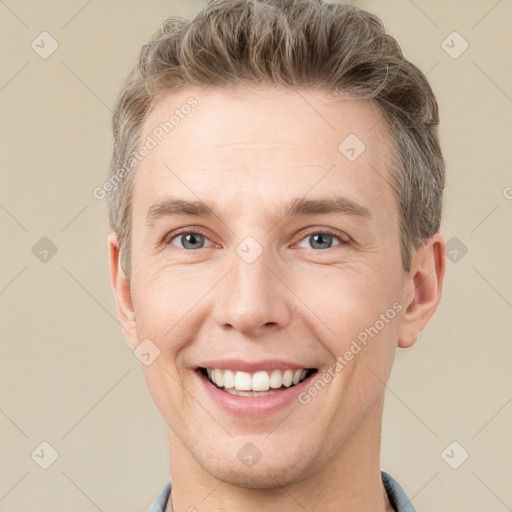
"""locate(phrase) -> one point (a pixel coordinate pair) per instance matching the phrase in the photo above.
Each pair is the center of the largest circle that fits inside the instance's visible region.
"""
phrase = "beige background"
(68, 378)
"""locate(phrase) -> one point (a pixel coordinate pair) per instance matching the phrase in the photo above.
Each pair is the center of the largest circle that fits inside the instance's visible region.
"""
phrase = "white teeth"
(260, 381)
(234, 391)
(287, 378)
(229, 379)
(218, 377)
(296, 376)
(243, 381)
(276, 379)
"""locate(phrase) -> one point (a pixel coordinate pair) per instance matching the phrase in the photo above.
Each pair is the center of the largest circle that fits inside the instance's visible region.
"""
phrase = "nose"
(254, 298)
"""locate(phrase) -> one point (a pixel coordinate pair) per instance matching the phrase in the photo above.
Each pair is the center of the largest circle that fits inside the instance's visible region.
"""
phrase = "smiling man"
(275, 201)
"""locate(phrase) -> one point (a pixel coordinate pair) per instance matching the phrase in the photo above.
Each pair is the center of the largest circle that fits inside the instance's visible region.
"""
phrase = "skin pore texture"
(248, 153)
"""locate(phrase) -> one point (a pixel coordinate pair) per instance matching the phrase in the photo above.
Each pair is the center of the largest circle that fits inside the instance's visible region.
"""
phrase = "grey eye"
(190, 240)
(320, 240)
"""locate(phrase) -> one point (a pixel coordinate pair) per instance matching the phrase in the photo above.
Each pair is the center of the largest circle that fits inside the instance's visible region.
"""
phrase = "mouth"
(260, 383)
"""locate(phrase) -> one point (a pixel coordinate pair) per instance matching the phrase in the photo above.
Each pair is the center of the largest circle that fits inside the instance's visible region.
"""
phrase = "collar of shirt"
(399, 500)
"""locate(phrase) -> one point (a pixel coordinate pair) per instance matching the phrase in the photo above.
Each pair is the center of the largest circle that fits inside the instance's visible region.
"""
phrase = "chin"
(272, 473)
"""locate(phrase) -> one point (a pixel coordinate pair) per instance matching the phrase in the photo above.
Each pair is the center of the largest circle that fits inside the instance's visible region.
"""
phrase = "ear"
(121, 287)
(422, 289)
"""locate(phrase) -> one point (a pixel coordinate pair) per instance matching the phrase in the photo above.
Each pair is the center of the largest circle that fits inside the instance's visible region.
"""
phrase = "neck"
(349, 480)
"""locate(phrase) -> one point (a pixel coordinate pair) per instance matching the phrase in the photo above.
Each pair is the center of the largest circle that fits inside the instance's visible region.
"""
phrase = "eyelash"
(343, 238)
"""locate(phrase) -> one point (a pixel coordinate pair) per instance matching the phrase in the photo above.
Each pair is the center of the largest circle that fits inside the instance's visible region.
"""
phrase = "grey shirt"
(399, 500)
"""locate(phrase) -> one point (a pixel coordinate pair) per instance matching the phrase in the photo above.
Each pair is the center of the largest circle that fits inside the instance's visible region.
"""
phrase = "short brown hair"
(335, 48)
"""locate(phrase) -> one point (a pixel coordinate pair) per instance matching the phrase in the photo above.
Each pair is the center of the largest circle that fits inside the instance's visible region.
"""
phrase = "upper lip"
(252, 366)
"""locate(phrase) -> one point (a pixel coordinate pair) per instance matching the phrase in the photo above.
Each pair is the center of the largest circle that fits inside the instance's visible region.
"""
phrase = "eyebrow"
(168, 207)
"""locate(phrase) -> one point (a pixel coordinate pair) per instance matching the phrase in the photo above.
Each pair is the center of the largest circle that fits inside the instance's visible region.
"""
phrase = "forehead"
(243, 149)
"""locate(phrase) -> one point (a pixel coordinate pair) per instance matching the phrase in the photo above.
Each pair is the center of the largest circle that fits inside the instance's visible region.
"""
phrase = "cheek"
(349, 300)
(165, 315)
(359, 325)
(162, 296)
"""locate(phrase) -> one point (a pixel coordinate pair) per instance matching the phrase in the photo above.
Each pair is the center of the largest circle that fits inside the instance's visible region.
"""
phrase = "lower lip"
(253, 406)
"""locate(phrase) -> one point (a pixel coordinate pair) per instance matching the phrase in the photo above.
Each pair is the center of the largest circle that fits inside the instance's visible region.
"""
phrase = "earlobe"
(121, 288)
(422, 292)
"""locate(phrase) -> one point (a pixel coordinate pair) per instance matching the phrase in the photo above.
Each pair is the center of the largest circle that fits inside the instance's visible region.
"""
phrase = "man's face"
(252, 284)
